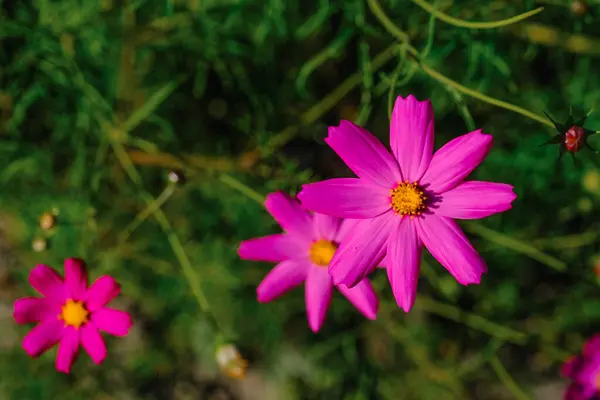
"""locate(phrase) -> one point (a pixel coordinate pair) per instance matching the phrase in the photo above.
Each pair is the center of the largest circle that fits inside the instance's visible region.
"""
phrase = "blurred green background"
(100, 100)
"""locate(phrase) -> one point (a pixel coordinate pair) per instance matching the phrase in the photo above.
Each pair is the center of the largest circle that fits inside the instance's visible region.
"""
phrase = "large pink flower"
(406, 200)
(584, 372)
(70, 313)
(303, 253)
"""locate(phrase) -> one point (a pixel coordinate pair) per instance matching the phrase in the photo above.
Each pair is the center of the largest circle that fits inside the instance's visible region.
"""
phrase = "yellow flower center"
(598, 382)
(74, 313)
(407, 199)
(322, 251)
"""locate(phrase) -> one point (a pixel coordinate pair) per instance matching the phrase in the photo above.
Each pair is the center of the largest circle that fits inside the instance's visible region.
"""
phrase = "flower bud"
(47, 221)
(39, 244)
(579, 8)
(176, 177)
(231, 362)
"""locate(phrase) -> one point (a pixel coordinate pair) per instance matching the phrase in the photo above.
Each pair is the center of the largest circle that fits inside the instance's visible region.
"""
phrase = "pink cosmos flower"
(70, 313)
(584, 372)
(406, 200)
(303, 253)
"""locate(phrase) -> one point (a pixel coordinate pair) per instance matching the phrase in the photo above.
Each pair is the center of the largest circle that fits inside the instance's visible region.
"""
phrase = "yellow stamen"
(407, 199)
(322, 251)
(598, 382)
(74, 313)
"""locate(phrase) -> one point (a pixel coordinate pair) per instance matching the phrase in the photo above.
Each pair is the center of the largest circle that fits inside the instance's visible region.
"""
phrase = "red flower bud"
(571, 137)
(574, 139)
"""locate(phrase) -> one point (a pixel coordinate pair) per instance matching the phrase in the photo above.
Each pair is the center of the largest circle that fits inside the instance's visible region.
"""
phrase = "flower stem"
(326, 103)
(472, 320)
(475, 25)
(507, 380)
(115, 135)
(483, 97)
(517, 246)
(481, 357)
(244, 189)
(188, 271)
(403, 38)
(144, 214)
(484, 325)
(417, 352)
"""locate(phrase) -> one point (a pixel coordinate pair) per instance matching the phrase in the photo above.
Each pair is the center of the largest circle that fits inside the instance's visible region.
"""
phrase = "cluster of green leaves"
(100, 99)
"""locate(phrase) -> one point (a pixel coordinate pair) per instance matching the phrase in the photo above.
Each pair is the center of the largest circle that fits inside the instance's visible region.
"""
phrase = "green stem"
(517, 246)
(462, 108)
(461, 23)
(326, 104)
(188, 271)
(404, 39)
(485, 98)
(329, 101)
(392, 88)
(417, 352)
(387, 23)
(472, 320)
(507, 380)
(334, 49)
(481, 357)
(144, 214)
(244, 189)
(481, 324)
(567, 241)
(112, 133)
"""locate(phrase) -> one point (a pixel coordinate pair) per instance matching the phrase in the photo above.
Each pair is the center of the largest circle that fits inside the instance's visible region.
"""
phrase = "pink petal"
(283, 278)
(570, 365)
(475, 199)
(346, 226)
(404, 252)
(448, 244)
(386, 260)
(75, 278)
(33, 309)
(452, 163)
(102, 291)
(362, 250)
(318, 290)
(289, 214)
(590, 391)
(92, 342)
(47, 282)
(364, 154)
(411, 136)
(43, 336)
(592, 346)
(587, 375)
(345, 198)
(111, 321)
(363, 297)
(273, 248)
(67, 350)
(575, 392)
(325, 226)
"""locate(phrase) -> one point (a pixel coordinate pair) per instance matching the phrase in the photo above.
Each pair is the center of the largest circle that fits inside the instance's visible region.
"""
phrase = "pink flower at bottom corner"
(70, 314)
(303, 253)
(584, 372)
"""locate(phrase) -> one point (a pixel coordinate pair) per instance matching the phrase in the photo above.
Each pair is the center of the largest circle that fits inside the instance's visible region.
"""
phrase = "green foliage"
(100, 99)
